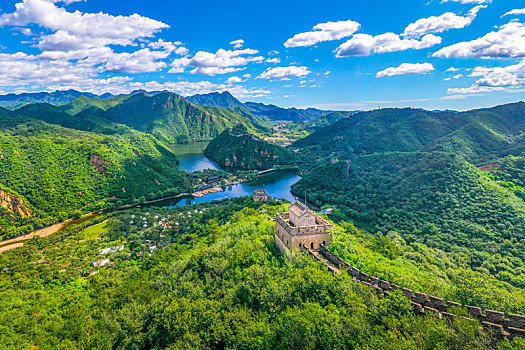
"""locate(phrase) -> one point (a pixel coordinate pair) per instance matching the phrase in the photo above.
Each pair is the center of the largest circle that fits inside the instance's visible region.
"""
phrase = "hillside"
(214, 282)
(55, 171)
(166, 116)
(216, 99)
(236, 147)
(269, 112)
(480, 136)
(55, 98)
(434, 198)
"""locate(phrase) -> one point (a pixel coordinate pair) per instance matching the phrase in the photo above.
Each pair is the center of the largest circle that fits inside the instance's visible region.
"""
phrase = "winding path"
(43, 232)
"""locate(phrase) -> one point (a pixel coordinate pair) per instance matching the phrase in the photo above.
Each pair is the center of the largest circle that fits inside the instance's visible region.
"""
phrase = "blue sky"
(359, 54)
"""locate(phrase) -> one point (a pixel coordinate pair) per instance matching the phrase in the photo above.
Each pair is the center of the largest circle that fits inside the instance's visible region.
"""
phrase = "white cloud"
(284, 73)
(439, 24)
(452, 69)
(28, 73)
(85, 27)
(406, 68)
(475, 2)
(515, 12)
(237, 44)
(365, 44)
(221, 62)
(182, 51)
(233, 80)
(327, 31)
(508, 41)
(273, 60)
(457, 76)
(495, 79)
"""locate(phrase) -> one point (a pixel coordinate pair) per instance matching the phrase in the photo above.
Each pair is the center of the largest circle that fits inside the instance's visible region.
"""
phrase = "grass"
(94, 232)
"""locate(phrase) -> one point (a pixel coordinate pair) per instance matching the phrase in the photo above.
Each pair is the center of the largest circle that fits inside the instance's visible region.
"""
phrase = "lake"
(277, 184)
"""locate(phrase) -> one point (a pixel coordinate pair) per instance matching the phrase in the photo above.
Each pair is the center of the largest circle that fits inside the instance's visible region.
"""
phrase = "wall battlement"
(496, 321)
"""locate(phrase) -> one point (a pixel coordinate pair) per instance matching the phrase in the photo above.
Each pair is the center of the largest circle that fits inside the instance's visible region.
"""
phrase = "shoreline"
(47, 231)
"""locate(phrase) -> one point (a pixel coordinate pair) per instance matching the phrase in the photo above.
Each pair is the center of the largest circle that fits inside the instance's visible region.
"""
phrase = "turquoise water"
(191, 158)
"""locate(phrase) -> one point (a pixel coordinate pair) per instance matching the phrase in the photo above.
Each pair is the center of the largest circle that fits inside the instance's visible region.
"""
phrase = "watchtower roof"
(298, 208)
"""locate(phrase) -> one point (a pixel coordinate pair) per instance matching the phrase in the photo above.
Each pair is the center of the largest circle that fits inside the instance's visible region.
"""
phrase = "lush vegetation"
(260, 113)
(480, 137)
(214, 281)
(237, 147)
(410, 180)
(166, 116)
(58, 171)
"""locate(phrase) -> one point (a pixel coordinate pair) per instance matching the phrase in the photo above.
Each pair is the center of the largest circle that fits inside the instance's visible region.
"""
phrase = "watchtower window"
(312, 245)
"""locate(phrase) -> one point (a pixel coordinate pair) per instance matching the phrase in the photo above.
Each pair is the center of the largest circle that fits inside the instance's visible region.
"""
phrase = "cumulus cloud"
(406, 68)
(85, 27)
(439, 24)
(515, 12)
(220, 62)
(507, 42)
(77, 53)
(25, 72)
(495, 79)
(237, 44)
(234, 80)
(365, 44)
(273, 60)
(327, 31)
(80, 39)
(284, 73)
(474, 2)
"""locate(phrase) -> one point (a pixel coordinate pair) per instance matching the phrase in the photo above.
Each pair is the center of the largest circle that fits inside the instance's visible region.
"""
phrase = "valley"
(430, 201)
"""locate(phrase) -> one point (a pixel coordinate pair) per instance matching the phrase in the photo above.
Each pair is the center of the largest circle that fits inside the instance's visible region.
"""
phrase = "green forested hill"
(167, 116)
(479, 135)
(414, 174)
(59, 171)
(214, 282)
(56, 97)
(437, 199)
(237, 147)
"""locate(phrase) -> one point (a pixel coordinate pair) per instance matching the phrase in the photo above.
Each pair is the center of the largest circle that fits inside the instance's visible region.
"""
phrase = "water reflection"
(191, 159)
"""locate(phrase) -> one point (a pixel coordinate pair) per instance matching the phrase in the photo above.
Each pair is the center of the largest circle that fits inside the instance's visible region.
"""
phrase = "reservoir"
(191, 157)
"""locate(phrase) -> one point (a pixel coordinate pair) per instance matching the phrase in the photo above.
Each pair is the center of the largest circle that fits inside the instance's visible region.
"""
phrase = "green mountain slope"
(219, 285)
(55, 98)
(59, 171)
(236, 147)
(166, 116)
(479, 135)
(257, 111)
(436, 198)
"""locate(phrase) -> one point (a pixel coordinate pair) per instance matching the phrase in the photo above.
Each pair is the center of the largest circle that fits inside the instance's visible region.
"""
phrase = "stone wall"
(423, 304)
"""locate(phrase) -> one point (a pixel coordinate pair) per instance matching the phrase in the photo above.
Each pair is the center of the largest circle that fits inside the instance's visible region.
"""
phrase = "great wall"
(424, 304)
(301, 228)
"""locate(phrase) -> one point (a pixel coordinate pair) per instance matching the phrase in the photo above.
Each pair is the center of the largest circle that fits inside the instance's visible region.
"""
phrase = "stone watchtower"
(260, 195)
(301, 227)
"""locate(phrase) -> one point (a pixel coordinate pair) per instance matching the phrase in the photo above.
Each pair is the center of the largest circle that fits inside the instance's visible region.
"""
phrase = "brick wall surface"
(422, 303)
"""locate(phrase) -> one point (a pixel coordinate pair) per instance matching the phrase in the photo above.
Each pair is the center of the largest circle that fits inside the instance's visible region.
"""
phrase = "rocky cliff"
(13, 204)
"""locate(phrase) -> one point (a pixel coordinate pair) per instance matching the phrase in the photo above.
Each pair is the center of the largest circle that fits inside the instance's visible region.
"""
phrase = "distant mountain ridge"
(55, 98)
(167, 116)
(254, 109)
(259, 113)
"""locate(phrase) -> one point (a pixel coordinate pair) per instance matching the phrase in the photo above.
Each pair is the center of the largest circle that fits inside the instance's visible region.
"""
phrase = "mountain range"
(258, 112)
